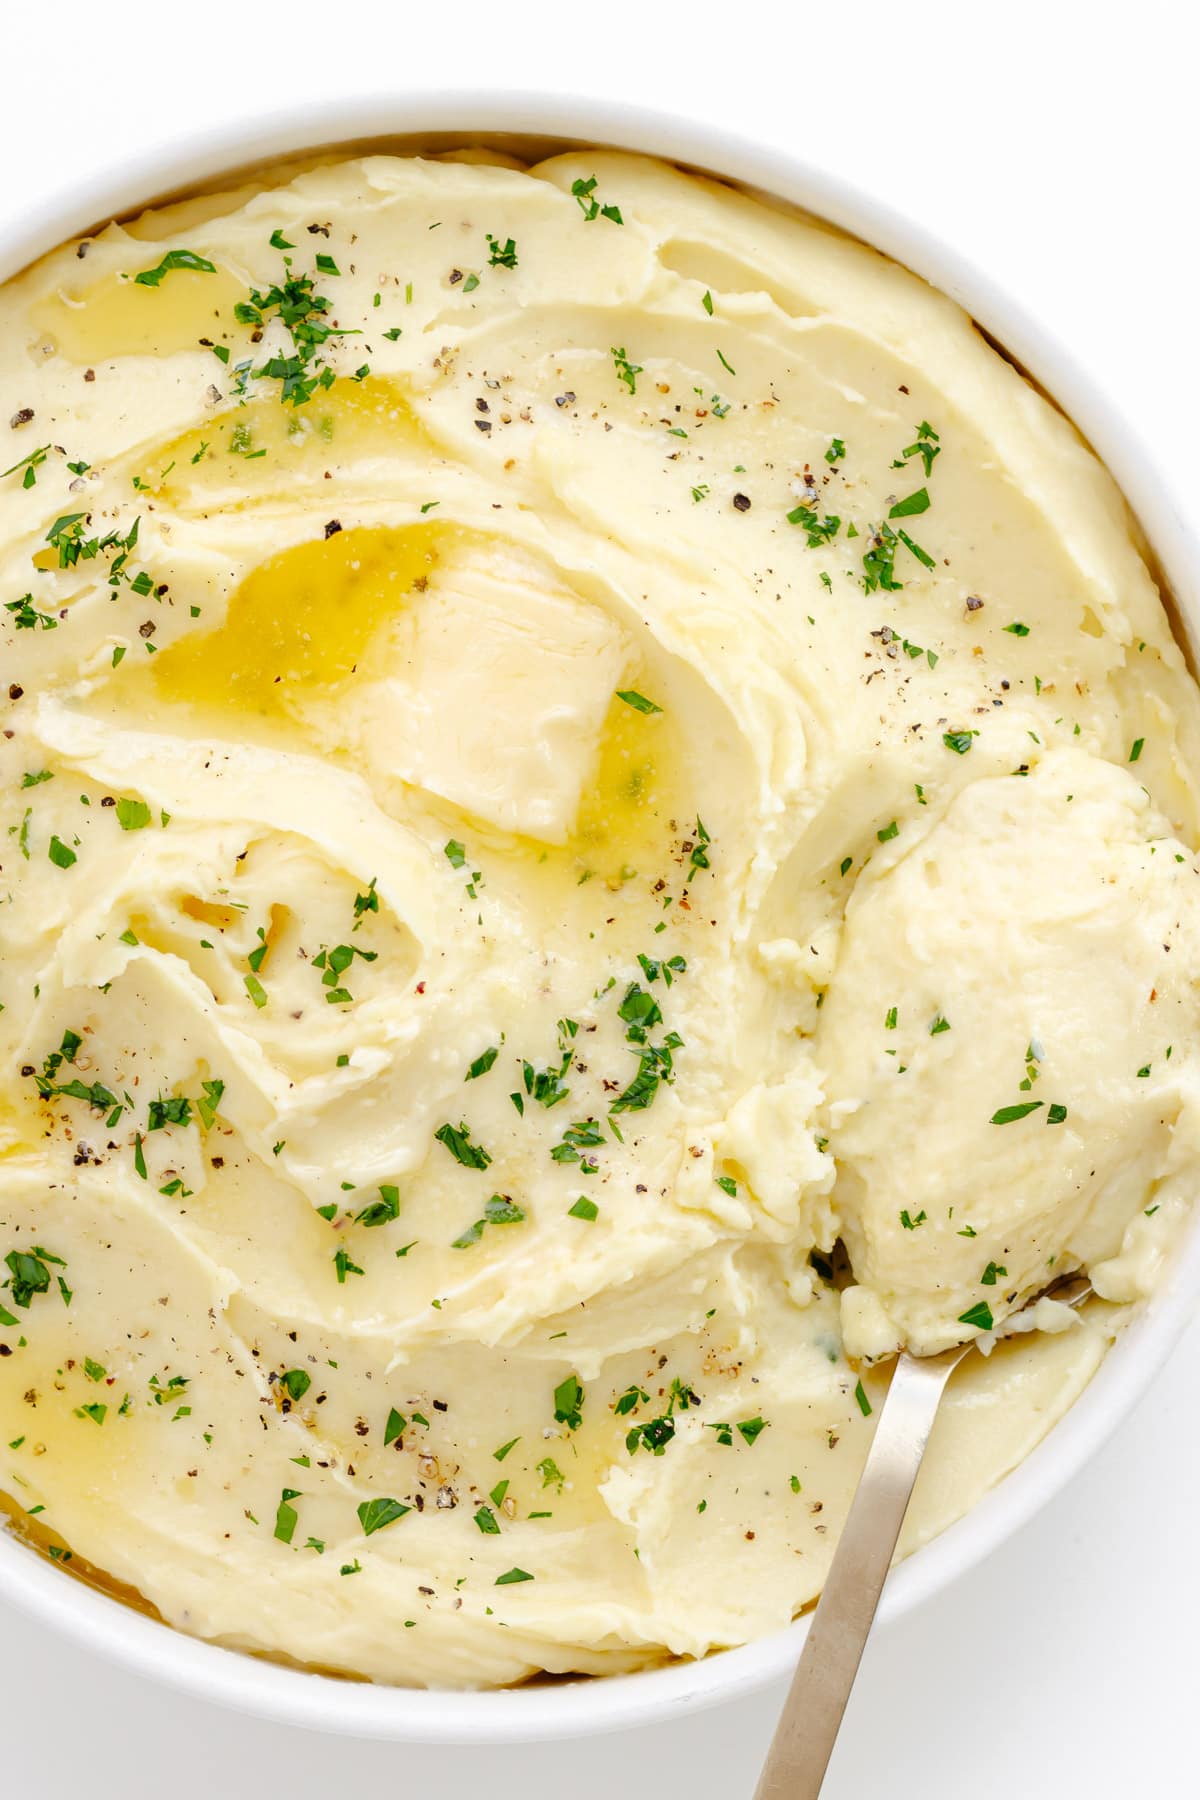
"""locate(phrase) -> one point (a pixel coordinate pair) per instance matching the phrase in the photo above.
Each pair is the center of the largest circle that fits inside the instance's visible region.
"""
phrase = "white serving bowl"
(538, 124)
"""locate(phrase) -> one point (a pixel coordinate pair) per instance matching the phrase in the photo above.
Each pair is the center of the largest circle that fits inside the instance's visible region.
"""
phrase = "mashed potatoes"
(570, 741)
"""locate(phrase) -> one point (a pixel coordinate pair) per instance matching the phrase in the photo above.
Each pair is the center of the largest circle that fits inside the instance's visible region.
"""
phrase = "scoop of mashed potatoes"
(571, 743)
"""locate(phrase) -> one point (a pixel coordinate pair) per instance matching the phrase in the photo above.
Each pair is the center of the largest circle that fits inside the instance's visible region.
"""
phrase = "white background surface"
(1056, 145)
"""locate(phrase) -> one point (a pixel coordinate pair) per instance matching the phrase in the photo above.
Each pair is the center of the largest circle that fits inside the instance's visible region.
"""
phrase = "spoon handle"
(812, 1714)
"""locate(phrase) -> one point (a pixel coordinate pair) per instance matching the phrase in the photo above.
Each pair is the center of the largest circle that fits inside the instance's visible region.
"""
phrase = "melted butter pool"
(118, 316)
(262, 448)
(627, 809)
(300, 623)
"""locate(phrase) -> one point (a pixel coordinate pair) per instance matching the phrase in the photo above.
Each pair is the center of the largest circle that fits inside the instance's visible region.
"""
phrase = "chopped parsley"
(66, 537)
(879, 562)
(29, 1275)
(568, 1402)
(175, 259)
(927, 447)
(499, 1210)
(31, 464)
(911, 507)
(26, 616)
(698, 856)
(818, 531)
(548, 1086)
(749, 1429)
(500, 256)
(922, 556)
(655, 1434)
(638, 701)
(640, 1011)
(365, 903)
(334, 964)
(383, 1210)
(343, 1265)
(177, 1110)
(285, 1515)
(208, 1106)
(584, 1134)
(1008, 1115)
(164, 1392)
(655, 1065)
(303, 313)
(373, 1515)
(668, 969)
(627, 371)
(589, 205)
(457, 1140)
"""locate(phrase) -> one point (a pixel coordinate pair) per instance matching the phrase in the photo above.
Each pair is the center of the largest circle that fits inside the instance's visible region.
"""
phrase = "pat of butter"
(502, 694)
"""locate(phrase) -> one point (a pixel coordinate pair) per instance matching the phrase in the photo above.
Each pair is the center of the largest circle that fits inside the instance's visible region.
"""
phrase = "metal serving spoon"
(812, 1713)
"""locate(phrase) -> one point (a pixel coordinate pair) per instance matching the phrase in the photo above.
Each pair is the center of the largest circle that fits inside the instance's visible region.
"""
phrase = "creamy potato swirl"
(571, 739)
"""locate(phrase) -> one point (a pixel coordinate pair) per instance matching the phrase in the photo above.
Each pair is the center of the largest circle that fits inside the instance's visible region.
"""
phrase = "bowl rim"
(568, 1708)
